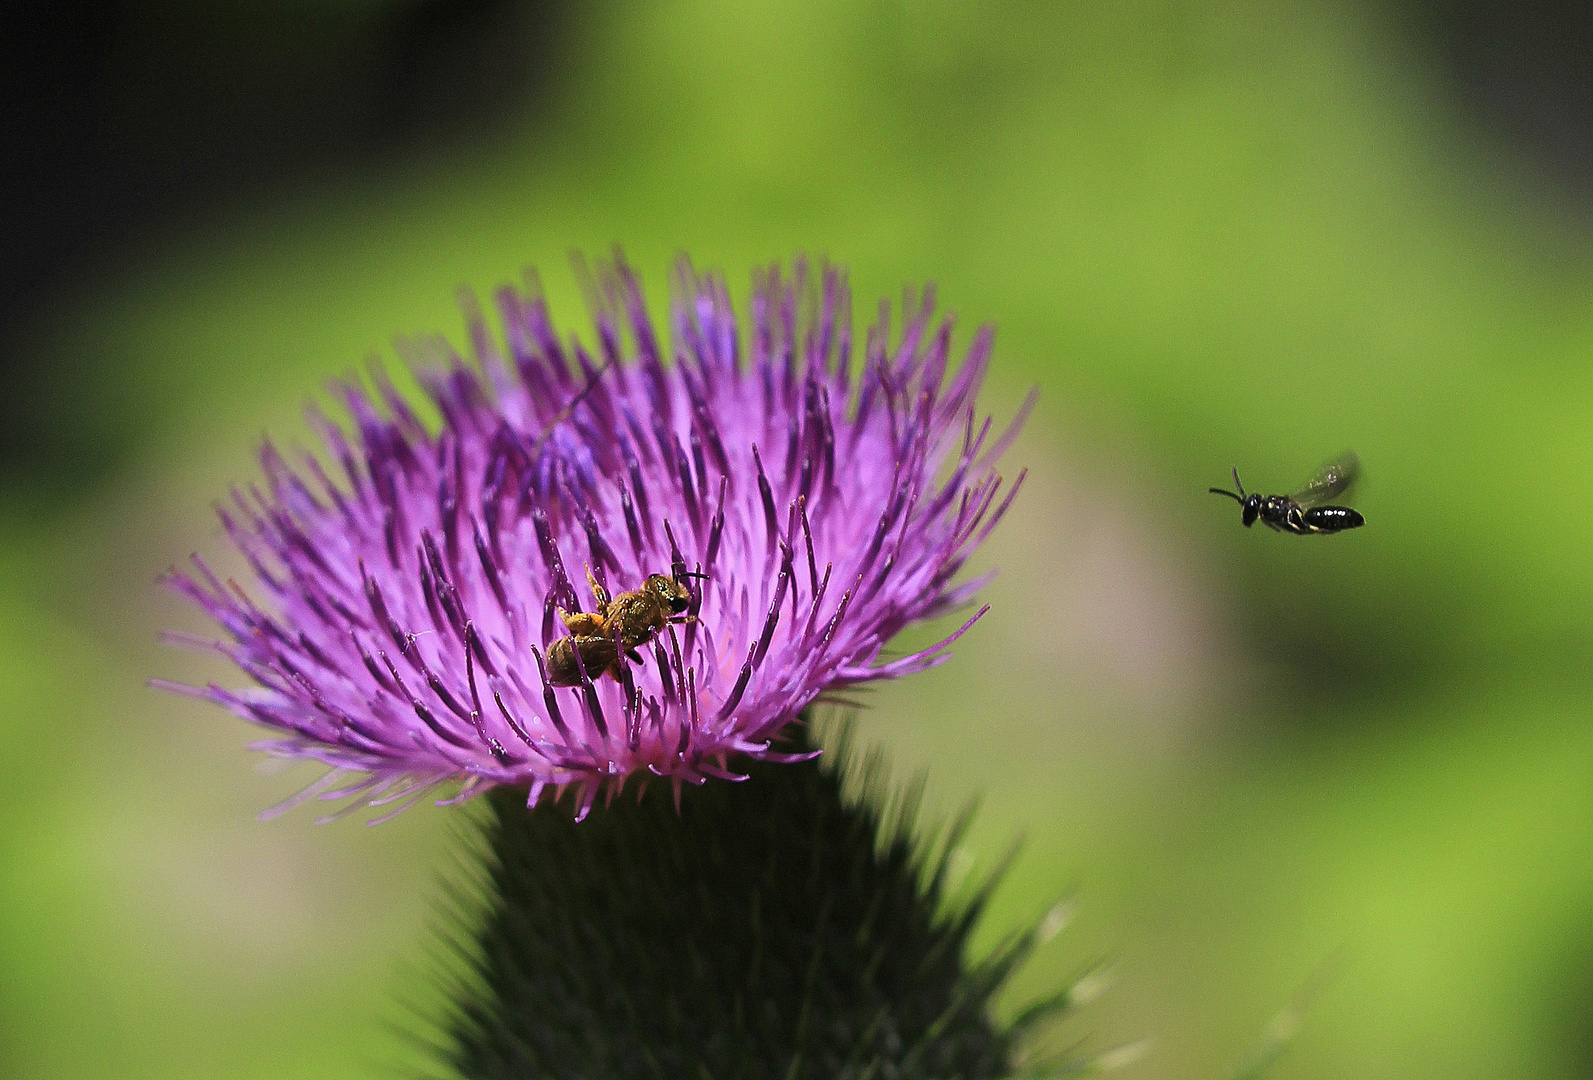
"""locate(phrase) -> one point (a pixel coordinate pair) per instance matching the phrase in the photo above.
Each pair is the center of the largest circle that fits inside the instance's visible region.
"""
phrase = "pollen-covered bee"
(621, 623)
(1303, 513)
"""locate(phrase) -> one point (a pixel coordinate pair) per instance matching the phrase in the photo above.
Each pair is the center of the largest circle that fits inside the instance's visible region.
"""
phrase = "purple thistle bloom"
(403, 613)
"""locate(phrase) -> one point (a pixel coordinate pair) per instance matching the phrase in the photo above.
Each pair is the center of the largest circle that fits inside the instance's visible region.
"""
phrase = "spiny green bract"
(771, 929)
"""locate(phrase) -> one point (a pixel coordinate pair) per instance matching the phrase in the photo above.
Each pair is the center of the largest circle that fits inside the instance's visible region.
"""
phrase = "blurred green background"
(1213, 233)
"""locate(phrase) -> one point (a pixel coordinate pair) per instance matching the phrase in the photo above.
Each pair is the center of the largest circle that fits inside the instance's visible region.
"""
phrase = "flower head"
(602, 565)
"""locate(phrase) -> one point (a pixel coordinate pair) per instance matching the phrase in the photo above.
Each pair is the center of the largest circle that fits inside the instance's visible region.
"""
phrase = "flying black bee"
(624, 622)
(1303, 513)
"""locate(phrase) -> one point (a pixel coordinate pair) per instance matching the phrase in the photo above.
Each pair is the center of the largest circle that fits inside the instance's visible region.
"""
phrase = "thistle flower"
(401, 619)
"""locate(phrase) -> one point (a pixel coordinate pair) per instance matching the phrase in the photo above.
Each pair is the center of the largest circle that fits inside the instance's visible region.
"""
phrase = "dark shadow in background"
(1524, 70)
(131, 122)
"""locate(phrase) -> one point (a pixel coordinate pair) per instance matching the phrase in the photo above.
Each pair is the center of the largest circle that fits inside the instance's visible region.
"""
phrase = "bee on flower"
(758, 518)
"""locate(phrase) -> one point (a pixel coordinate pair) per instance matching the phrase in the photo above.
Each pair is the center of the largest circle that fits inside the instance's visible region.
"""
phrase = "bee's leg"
(583, 623)
(682, 620)
(597, 591)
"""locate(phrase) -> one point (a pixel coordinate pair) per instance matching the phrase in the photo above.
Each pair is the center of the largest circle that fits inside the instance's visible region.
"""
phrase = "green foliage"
(769, 929)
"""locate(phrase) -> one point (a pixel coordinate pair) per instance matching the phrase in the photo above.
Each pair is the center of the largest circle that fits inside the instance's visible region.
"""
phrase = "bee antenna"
(692, 573)
(1231, 495)
(1237, 484)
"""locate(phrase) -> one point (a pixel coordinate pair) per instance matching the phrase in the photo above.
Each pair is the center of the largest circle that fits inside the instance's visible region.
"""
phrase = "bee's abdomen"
(1331, 519)
(597, 655)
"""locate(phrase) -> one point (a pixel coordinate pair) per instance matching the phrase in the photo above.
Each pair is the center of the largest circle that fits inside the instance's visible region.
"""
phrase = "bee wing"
(1330, 481)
